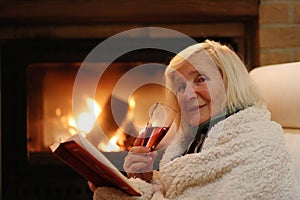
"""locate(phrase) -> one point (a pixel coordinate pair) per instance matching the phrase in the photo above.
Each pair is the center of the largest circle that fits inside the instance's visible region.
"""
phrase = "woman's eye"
(200, 79)
(181, 87)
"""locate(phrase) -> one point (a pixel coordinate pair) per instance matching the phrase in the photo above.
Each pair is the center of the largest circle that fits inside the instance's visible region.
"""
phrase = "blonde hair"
(240, 91)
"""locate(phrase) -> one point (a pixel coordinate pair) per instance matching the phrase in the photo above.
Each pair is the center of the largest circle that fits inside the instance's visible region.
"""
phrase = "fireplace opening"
(50, 117)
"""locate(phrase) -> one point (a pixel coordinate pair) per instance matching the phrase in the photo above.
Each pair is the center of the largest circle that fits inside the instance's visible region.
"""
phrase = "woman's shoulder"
(251, 125)
(250, 114)
(256, 120)
(251, 119)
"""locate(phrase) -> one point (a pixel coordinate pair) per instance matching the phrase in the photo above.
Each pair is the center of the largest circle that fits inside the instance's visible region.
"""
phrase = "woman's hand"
(139, 163)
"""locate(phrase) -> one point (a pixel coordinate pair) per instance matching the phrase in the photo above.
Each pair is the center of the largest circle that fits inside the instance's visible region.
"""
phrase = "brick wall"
(279, 31)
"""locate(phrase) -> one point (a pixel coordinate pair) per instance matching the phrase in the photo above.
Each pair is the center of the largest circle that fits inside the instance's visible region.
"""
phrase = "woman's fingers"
(137, 156)
(134, 162)
(139, 163)
(141, 154)
(139, 167)
(139, 149)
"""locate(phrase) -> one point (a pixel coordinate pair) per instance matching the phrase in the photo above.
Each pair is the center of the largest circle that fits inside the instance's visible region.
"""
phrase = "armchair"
(280, 86)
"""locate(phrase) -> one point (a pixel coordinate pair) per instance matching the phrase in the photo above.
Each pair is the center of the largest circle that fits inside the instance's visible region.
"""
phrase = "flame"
(85, 121)
(93, 106)
(111, 145)
(72, 126)
(131, 103)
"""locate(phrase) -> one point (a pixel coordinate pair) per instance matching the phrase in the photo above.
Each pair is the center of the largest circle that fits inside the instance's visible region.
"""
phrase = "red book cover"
(90, 163)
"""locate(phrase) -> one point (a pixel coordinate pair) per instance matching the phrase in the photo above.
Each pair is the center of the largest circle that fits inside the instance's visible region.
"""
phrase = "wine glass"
(161, 117)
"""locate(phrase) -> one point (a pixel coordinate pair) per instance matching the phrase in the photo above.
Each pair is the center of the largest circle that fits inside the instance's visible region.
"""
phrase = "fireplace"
(38, 76)
(37, 105)
(39, 64)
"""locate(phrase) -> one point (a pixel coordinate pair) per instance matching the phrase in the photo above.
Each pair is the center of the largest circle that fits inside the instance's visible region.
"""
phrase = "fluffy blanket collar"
(179, 143)
(230, 152)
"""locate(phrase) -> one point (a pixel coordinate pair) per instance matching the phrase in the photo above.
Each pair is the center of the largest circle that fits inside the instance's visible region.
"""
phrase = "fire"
(111, 145)
(72, 126)
(86, 120)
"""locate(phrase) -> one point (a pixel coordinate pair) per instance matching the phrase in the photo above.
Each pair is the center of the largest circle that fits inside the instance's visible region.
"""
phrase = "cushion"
(280, 87)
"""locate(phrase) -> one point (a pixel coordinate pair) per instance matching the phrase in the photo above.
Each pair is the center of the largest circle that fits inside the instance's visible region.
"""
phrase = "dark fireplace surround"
(32, 41)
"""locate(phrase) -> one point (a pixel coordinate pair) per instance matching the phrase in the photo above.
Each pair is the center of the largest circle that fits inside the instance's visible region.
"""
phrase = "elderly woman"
(226, 146)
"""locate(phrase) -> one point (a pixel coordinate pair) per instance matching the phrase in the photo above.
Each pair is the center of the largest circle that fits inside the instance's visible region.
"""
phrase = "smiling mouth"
(195, 108)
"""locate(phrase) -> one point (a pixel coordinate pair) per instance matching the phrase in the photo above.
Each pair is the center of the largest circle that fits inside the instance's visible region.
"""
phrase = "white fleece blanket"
(243, 157)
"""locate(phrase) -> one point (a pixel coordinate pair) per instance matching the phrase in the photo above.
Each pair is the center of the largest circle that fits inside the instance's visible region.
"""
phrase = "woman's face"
(200, 89)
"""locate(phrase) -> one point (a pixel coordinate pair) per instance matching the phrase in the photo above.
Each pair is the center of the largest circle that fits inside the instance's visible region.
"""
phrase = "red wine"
(153, 136)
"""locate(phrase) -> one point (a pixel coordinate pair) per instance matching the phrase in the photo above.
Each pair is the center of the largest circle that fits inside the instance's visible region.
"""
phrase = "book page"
(87, 145)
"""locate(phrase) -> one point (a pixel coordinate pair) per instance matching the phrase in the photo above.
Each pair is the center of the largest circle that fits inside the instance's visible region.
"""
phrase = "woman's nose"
(189, 92)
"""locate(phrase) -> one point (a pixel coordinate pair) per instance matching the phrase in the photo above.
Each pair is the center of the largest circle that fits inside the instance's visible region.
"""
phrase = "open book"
(91, 164)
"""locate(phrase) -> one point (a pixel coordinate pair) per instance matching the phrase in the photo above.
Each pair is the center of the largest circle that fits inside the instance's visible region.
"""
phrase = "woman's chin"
(197, 122)
(194, 123)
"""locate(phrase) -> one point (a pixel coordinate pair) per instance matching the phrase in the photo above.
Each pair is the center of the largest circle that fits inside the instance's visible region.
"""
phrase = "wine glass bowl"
(161, 117)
